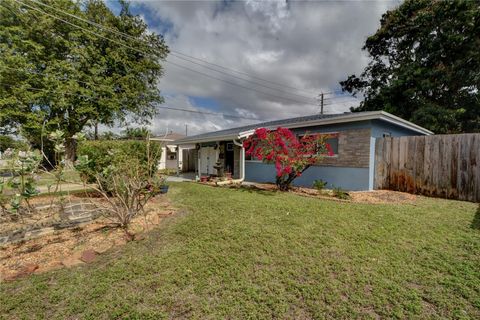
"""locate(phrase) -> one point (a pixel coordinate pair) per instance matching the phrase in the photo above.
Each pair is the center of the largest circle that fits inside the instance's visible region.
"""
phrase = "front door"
(207, 160)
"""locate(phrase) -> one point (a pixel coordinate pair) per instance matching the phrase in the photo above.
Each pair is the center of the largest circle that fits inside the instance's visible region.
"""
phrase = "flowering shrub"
(290, 154)
(24, 168)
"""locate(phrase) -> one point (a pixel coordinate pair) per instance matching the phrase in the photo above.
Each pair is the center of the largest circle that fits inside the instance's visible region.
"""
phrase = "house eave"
(379, 115)
(354, 117)
(210, 139)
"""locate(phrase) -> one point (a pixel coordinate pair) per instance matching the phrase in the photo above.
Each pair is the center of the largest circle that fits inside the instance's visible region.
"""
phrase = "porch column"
(242, 159)
(199, 160)
(242, 163)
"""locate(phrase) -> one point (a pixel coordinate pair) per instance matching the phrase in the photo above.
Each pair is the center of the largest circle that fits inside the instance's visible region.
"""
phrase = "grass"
(69, 176)
(262, 255)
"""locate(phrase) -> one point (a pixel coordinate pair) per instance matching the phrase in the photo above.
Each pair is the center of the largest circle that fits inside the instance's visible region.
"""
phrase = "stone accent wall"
(73, 215)
(353, 150)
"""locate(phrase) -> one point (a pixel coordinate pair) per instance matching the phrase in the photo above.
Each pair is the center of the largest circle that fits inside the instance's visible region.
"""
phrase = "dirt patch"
(382, 196)
(374, 196)
(66, 247)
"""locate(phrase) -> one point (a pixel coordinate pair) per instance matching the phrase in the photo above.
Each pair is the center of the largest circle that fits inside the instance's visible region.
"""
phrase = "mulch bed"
(373, 197)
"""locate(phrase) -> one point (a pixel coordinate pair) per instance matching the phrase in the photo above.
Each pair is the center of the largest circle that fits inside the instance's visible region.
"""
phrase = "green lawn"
(69, 176)
(262, 255)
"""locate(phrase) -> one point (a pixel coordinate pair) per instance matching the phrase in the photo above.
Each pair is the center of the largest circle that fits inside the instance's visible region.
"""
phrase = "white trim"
(373, 115)
(209, 139)
(370, 115)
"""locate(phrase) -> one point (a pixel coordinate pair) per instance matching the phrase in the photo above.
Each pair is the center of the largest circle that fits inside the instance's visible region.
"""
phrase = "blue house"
(352, 166)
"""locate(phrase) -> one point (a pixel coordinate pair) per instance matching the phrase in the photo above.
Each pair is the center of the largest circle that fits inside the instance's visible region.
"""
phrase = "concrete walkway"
(187, 176)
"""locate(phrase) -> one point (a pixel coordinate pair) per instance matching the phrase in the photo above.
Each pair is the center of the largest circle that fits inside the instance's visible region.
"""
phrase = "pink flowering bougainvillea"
(290, 154)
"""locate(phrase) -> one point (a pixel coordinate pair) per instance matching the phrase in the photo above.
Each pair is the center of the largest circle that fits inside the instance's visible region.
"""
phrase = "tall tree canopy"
(57, 75)
(425, 65)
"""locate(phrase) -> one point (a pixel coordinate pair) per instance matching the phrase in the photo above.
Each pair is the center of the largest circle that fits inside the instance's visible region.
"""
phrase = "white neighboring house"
(168, 159)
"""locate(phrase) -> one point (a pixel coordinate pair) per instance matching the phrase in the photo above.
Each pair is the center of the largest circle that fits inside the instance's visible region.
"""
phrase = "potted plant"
(163, 186)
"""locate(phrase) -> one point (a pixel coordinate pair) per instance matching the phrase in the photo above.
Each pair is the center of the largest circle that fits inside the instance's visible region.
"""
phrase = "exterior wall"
(343, 177)
(381, 127)
(352, 169)
(353, 149)
(348, 170)
(162, 164)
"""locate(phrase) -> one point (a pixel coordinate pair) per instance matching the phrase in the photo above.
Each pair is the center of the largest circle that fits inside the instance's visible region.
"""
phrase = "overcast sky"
(301, 48)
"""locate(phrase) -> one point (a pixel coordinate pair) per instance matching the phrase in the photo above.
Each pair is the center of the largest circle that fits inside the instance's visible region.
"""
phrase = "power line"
(63, 78)
(212, 113)
(243, 73)
(231, 75)
(236, 84)
(338, 98)
(158, 107)
(349, 99)
(176, 53)
(135, 49)
(170, 62)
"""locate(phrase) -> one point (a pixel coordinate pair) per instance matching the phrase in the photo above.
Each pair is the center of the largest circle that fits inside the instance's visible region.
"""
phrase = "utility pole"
(320, 100)
(186, 129)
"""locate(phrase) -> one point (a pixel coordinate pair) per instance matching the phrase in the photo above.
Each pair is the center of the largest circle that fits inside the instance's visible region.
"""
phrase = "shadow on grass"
(254, 189)
(476, 220)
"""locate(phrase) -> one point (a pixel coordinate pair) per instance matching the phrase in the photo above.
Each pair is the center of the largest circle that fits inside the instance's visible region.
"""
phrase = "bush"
(101, 156)
(125, 175)
(126, 191)
(319, 184)
(340, 193)
(7, 142)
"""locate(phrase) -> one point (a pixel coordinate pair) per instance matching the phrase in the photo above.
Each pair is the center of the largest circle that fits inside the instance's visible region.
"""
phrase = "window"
(333, 142)
(171, 155)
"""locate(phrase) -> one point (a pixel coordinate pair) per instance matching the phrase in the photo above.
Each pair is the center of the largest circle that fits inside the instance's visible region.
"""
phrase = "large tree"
(54, 75)
(425, 65)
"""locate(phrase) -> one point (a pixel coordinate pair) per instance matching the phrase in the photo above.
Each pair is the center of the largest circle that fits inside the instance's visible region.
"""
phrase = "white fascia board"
(380, 115)
(373, 115)
(404, 123)
(211, 139)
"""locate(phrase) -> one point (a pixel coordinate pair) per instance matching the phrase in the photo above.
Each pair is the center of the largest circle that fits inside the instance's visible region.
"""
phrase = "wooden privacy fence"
(440, 165)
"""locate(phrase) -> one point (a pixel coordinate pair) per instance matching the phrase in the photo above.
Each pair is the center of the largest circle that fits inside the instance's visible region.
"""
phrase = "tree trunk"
(70, 150)
(96, 130)
(284, 185)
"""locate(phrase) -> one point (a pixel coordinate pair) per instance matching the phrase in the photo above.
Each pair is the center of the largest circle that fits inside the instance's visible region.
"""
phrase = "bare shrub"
(126, 187)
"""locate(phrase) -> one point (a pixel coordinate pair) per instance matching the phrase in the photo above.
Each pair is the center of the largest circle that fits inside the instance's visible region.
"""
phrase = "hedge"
(104, 153)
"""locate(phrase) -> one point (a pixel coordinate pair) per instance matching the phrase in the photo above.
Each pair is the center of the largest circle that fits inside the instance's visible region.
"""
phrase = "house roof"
(305, 121)
(171, 136)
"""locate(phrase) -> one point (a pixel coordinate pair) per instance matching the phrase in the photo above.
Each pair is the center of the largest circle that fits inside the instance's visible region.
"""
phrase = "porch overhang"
(204, 140)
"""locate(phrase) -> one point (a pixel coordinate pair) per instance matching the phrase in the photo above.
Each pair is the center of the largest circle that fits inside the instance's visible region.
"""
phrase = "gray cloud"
(309, 45)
